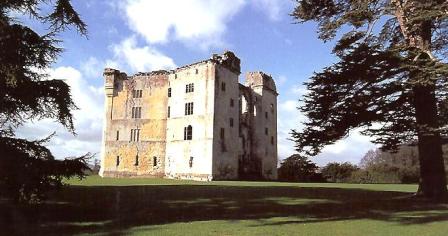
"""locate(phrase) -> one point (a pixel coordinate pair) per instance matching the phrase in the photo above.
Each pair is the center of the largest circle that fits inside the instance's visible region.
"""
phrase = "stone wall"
(122, 155)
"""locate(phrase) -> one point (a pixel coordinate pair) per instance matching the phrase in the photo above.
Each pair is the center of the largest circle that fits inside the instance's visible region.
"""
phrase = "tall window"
(118, 135)
(272, 140)
(190, 162)
(188, 132)
(231, 122)
(222, 134)
(154, 161)
(137, 93)
(223, 86)
(266, 114)
(135, 135)
(137, 112)
(169, 111)
(136, 160)
(231, 102)
(196, 71)
(169, 92)
(117, 161)
(189, 108)
(266, 131)
(189, 88)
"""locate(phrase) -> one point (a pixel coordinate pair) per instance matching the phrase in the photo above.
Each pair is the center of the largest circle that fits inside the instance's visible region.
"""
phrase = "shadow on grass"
(115, 209)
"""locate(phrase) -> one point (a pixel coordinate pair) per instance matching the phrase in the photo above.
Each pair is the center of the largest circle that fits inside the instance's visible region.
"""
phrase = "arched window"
(188, 132)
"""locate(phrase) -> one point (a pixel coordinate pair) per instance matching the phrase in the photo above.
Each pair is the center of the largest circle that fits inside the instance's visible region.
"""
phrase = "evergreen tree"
(338, 172)
(391, 79)
(298, 168)
(27, 168)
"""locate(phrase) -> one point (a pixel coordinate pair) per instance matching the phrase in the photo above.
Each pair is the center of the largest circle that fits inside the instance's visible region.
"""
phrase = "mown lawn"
(172, 207)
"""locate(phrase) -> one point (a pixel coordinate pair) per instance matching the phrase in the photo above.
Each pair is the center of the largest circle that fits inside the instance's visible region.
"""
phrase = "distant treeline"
(375, 167)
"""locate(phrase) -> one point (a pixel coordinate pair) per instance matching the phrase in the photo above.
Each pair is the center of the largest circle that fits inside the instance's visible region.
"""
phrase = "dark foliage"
(27, 168)
(391, 79)
(385, 167)
(338, 172)
(299, 169)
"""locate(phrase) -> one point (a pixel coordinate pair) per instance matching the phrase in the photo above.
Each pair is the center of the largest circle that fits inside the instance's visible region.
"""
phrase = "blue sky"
(139, 35)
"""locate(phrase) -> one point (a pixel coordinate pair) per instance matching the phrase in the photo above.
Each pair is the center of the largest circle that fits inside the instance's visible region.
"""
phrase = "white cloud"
(88, 119)
(299, 90)
(288, 118)
(272, 8)
(281, 80)
(190, 21)
(196, 23)
(350, 149)
(92, 67)
(144, 58)
(289, 105)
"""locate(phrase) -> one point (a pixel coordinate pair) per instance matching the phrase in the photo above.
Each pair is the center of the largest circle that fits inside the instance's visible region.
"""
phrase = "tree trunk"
(432, 170)
(418, 36)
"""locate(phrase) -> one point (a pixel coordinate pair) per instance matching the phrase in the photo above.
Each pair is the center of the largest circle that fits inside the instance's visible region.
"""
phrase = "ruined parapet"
(111, 77)
(260, 79)
(228, 60)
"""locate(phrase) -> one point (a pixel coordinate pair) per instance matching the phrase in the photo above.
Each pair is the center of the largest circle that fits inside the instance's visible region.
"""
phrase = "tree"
(390, 80)
(297, 168)
(338, 172)
(27, 168)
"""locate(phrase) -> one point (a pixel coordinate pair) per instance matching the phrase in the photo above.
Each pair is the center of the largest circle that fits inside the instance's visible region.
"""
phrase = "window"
(188, 108)
(231, 102)
(118, 135)
(137, 112)
(272, 108)
(222, 135)
(154, 161)
(223, 86)
(188, 132)
(266, 114)
(189, 88)
(137, 93)
(169, 111)
(266, 131)
(118, 161)
(196, 71)
(190, 162)
(135, 135)
(272, 140)
(169, 92)
(231, 122)
(136, 160)
(175, 76)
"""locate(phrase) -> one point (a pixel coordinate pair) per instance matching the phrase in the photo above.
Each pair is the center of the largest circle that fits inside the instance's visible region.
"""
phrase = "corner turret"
(229, 60)
(111, 77)
(260, 79)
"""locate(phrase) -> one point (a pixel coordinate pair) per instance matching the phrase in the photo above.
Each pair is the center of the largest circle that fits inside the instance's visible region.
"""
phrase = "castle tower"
(134, 137)
(264, 131)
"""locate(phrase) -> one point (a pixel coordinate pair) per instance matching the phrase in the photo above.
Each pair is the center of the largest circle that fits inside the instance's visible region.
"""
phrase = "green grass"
(172, 207)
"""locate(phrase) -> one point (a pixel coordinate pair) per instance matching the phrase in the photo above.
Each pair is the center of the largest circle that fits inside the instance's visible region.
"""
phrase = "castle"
(194, 122)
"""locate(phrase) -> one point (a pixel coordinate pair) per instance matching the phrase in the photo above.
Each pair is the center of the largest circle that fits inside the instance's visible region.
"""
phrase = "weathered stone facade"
(194, 122)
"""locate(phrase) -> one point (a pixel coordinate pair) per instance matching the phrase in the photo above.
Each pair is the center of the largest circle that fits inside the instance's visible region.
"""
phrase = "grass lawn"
(173, 207)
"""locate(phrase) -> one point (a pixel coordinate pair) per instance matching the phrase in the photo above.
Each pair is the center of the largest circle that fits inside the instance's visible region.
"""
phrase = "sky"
(144, 35)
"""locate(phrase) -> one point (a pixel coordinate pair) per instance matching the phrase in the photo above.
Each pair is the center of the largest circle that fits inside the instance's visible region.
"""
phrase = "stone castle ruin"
(194, 122)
